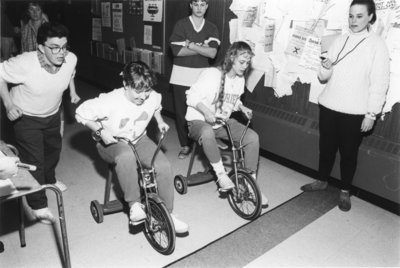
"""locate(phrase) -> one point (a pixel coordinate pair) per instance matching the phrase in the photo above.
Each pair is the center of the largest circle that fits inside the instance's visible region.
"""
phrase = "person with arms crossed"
(194, 41)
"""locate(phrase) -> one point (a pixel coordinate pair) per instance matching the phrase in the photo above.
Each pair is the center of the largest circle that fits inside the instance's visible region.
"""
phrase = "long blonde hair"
(234, 51)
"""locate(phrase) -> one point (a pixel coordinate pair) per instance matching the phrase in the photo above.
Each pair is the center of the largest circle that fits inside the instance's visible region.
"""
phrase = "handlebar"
(223, 122)
(130, 143)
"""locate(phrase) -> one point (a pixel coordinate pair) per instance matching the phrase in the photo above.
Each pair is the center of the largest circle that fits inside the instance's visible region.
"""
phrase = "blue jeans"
(121, 155)
(206, 136)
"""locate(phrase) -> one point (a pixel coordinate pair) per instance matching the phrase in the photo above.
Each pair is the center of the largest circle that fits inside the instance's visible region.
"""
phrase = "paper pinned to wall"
(96, 29)
(106, 14)
(117, 21)
(297, 41)
(312, 50)
(148, 35)
(253, 78)
(153, 10)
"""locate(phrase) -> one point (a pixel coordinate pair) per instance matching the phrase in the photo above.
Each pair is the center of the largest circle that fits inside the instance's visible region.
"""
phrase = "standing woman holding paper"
(356, 70)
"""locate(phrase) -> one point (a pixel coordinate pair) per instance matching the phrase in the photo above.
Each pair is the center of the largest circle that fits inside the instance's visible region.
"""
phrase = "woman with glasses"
(38, 80)
(126, 112)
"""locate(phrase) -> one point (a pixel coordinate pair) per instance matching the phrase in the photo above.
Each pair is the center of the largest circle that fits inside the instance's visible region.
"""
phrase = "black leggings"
(339, 131)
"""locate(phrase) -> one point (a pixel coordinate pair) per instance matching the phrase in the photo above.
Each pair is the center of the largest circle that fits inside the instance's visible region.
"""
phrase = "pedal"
(222, 190)
(134, 223)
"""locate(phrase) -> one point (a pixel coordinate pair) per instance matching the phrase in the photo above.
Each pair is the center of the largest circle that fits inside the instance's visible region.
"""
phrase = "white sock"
(218, 167)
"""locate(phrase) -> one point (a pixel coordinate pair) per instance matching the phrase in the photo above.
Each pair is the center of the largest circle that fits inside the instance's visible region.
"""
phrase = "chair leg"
(22, 223)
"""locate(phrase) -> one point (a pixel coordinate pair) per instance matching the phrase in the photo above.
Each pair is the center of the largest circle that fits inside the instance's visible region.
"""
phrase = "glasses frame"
(56, 50)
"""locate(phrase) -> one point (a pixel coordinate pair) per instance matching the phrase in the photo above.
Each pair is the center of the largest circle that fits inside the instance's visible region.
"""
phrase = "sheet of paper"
(253, 78)
(96, 29)
(152, 10)
(233, 30)
(297, 41)
(118, 25)
(148, 35)
(106, 14)
(311, 52)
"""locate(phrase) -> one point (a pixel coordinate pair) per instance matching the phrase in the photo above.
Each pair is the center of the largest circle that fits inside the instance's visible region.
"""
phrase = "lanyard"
(340, 52)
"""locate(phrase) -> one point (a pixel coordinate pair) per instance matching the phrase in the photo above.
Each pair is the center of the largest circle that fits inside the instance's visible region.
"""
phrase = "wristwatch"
(96, 135)
(371, 116)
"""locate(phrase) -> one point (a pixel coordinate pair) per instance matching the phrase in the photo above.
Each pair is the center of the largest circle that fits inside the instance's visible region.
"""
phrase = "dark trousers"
(180, 112)
(38, 141)
(339, 131)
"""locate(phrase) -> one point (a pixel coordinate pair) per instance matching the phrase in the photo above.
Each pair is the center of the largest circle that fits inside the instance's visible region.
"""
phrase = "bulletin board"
(133, 27)
(289, 36)
(129, 30)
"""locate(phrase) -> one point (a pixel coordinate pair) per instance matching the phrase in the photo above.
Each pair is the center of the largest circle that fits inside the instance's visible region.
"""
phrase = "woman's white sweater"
(358, 83)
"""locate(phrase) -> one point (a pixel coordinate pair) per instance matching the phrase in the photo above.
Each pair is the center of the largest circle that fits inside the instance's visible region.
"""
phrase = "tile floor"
(365, 236)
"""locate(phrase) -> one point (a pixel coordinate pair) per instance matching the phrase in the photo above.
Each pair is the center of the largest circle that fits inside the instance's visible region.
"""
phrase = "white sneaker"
(44, 215)
(60, 185)
(225, 184)
(136, 214)
(264, 200)
(180, 226)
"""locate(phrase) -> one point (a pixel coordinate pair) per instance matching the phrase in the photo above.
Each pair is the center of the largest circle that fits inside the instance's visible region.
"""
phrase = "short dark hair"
(35, 3)
(139, 76)
(50, 30)
(191, 1)
(370, 4)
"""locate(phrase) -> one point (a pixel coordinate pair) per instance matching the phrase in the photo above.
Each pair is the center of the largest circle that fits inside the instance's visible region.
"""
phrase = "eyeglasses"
(56, 50)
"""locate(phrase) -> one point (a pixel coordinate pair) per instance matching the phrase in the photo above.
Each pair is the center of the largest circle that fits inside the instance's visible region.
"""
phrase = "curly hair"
(139, 76)
(234, 51)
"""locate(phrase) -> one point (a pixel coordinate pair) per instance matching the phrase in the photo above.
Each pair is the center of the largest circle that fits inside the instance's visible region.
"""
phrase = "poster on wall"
(152, 10)
(106, 14)
(96, 29)
(117, 17)
(95, 7)
(297, 41)
(135, 7)
(117, 22)
(148, 35)
(312, 50)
